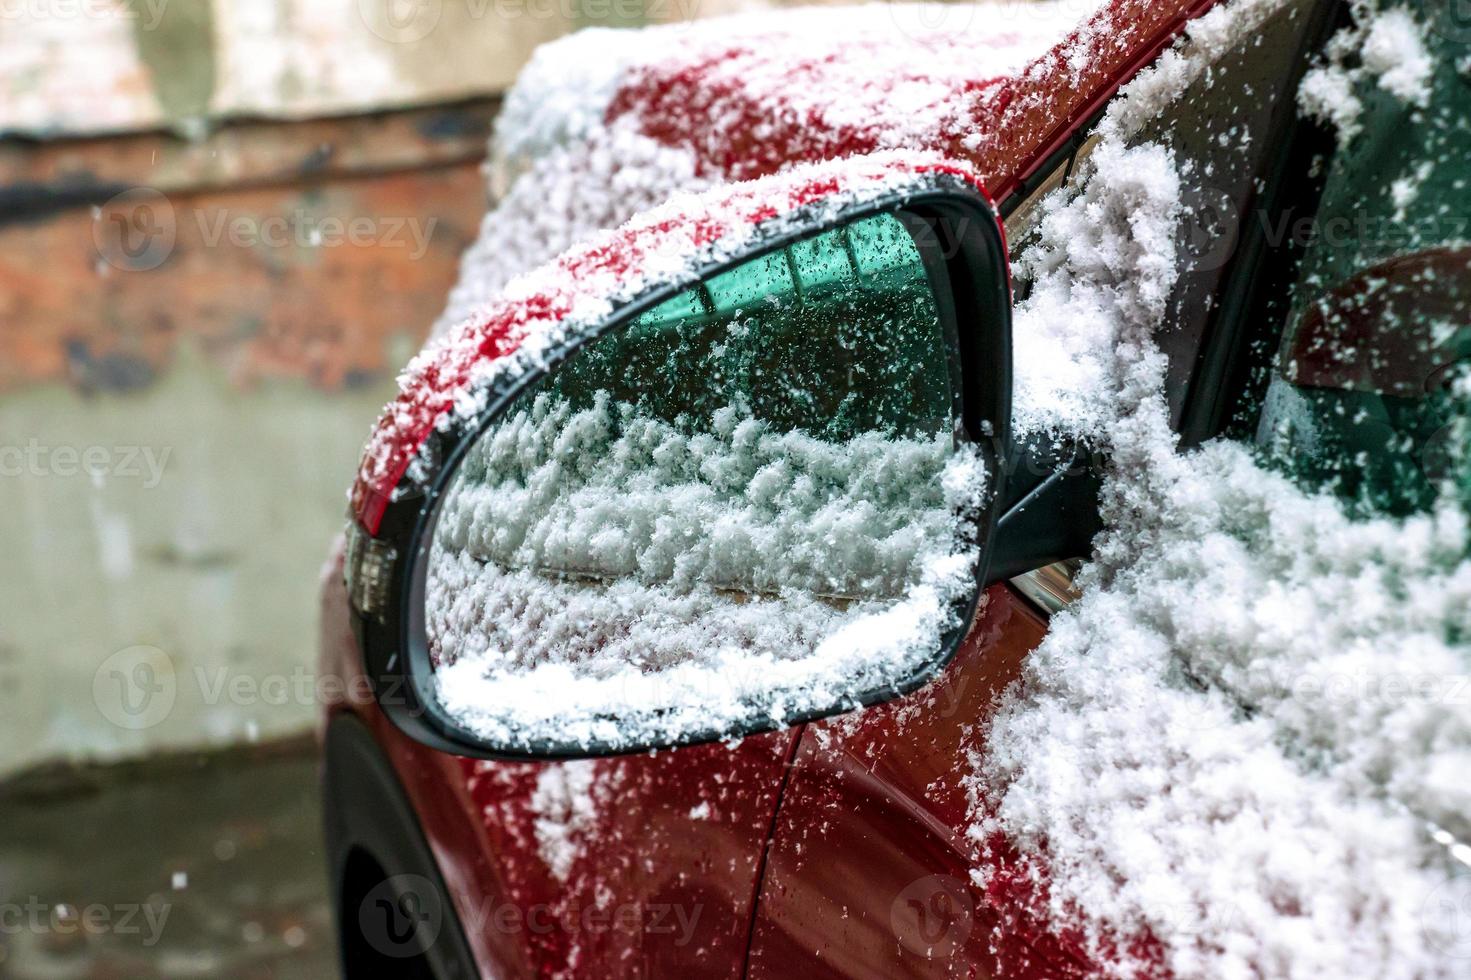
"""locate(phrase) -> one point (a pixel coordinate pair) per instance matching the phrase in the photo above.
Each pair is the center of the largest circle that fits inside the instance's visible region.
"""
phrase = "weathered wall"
(187, 372)
(74, 66)
(99, 65)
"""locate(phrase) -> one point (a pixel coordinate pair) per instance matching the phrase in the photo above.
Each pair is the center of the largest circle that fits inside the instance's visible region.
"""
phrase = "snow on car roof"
(751, 93)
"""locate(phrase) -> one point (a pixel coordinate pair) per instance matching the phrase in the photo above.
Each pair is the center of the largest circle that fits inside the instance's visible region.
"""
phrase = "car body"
(843, 847)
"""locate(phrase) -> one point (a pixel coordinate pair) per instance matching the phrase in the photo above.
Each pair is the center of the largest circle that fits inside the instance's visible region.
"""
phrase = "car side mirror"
(726, 506)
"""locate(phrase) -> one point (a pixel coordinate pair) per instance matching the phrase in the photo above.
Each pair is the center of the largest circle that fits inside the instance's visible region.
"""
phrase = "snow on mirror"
(749, 505)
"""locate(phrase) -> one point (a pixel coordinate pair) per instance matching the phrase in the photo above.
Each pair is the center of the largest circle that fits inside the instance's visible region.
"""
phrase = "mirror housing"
(958, 234)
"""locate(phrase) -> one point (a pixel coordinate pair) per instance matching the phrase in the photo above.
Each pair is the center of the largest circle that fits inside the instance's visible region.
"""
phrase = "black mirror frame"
(954, 226)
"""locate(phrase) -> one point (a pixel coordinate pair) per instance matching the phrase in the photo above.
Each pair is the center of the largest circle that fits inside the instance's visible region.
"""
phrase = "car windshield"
(1369, 394)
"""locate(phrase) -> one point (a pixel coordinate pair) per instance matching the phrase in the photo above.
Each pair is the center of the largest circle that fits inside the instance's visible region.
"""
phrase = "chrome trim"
(1052, 587)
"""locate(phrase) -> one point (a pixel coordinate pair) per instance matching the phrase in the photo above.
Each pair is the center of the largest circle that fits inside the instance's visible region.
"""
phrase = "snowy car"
(967, 490)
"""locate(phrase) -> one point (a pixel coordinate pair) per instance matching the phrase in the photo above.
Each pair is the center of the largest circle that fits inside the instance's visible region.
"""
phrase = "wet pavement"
(185, 866)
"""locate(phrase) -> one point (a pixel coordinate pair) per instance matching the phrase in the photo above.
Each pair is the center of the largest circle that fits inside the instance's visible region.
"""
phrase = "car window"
(1224, 130)
(1369, 390)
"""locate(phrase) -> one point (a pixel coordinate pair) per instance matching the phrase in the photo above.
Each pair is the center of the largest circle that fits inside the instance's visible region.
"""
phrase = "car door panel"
(650, 891)
(869, 873)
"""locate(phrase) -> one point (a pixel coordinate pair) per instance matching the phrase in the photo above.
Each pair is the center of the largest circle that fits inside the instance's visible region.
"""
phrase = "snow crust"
(562, 94)
(565, 194)
(1109, 259)
(1394, 53)
(1249, 738)
(1206, 39)
(598, 575)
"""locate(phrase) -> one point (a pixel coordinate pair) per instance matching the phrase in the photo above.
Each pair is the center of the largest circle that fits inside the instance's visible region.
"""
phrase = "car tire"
(392, 910)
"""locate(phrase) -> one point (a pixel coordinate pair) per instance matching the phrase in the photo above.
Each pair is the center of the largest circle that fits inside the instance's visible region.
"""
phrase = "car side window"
(1225, 130)
(1369, 390)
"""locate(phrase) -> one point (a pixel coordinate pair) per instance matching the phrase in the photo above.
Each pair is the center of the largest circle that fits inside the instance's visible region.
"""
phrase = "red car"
(688, 574)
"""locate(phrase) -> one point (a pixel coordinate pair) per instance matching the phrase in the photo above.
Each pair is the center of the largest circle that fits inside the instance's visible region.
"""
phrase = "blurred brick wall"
(194, 338)
(281, 250)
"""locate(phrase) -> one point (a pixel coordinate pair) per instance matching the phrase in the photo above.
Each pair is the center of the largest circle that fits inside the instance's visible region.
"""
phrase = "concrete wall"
(73, 66)
(188, 369)
(161, 555)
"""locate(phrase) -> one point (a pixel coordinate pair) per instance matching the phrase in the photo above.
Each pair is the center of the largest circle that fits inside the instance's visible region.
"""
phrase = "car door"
(869, 870)
(873, 867)
(642, 865)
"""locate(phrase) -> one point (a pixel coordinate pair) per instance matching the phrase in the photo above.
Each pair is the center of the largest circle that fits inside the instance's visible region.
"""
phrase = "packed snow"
(1218, 741)
(1386, 44)
(565, 809)
(1066, 337)
(598, 575)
